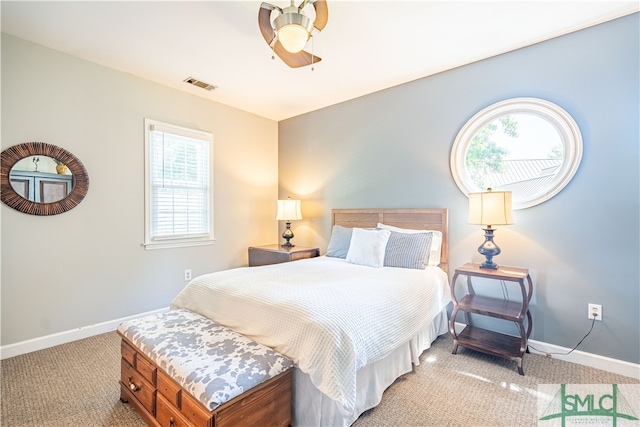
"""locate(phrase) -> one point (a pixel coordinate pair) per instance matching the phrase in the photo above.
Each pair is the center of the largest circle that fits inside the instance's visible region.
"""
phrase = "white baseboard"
(591, 360)
(41, 343)
(596, 361)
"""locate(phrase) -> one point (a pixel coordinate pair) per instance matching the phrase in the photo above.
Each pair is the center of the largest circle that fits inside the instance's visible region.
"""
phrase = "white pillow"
(436, 240)
(367, 247)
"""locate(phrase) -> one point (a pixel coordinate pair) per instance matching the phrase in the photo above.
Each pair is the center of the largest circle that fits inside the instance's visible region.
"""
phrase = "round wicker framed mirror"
(9, 195)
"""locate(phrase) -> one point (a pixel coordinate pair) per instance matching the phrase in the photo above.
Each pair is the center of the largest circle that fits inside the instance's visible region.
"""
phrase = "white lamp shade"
(490, 208)
(293, 37)
(294, 30)
(289, 210)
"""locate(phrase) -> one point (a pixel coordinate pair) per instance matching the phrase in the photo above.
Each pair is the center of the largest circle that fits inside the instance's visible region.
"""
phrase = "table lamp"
(490, 208)
(288, 210)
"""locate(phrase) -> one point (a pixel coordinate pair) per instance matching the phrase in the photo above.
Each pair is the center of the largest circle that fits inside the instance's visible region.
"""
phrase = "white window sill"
(177, 244)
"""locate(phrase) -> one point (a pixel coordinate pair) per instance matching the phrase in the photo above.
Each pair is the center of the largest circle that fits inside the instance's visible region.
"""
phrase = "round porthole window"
(528, 146)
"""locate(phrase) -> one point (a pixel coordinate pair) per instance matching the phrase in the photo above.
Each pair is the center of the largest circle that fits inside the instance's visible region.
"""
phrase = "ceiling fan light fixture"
(293, 30)
(290, 30)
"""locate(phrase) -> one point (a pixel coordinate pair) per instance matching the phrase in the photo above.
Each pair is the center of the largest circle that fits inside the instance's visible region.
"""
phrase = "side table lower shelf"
(490, 342)
(504, 309)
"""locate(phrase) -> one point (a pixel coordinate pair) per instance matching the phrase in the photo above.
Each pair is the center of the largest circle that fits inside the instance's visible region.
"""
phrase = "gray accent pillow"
(408, 250)
(339, 242)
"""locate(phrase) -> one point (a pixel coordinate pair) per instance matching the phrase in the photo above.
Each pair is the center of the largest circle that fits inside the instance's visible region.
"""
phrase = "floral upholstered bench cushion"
(211, 362)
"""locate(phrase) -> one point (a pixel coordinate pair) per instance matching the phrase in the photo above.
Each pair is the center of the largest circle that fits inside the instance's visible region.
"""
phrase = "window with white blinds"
(178, 187)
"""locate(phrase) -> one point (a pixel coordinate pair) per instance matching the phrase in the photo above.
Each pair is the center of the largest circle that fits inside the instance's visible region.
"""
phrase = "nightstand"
(490, 342)
(275, 254)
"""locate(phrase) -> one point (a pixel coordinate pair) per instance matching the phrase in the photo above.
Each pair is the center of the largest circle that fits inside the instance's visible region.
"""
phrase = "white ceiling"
(366, 46)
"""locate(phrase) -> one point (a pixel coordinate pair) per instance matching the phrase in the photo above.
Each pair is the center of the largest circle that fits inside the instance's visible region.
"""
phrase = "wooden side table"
(275, 254)
(486, 341)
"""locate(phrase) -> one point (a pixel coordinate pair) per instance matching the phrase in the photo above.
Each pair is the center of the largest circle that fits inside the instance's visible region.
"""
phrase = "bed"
(353, 322)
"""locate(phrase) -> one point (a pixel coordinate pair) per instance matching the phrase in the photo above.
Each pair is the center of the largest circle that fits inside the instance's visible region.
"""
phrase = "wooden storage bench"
(182, 369)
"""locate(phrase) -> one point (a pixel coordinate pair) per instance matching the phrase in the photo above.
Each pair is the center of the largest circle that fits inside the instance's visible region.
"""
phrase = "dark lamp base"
(489, 249)
(287, 235)
(490, 265)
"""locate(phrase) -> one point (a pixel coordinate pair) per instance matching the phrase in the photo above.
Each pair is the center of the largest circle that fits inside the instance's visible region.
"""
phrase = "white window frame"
(173, 241)
(561, 120)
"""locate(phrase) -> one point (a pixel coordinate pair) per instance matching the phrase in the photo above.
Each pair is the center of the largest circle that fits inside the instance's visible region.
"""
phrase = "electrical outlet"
(187, 275)
(595, 310)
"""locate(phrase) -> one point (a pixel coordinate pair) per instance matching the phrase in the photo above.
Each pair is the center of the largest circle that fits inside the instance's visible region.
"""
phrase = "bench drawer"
(141, 389)
(182, 402)
(171, 391)
(135, 359)
(169, 416)
(194, 411)
(128, 353)
(146, 369)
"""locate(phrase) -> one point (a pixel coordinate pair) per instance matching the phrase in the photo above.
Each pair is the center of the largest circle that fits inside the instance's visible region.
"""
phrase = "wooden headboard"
(413, 218)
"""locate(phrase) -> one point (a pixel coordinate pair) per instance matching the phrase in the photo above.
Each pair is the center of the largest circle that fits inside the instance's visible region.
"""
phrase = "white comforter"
(331, 317)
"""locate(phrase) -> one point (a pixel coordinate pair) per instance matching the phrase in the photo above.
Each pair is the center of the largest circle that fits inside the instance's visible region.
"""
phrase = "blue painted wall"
(392, 149)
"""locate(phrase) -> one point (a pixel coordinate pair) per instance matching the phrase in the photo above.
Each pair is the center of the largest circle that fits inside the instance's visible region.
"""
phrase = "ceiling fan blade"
(264, 21)
(322, 14)
(295, 60)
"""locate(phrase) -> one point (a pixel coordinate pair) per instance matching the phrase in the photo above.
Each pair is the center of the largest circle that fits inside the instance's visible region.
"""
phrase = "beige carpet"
(76, 385)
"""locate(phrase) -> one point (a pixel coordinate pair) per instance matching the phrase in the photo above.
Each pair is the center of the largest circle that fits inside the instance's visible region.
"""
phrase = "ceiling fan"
(291, 29)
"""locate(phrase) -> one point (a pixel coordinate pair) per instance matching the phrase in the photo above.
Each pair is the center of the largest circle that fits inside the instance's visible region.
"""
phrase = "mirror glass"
(42, 179)
(528, 146)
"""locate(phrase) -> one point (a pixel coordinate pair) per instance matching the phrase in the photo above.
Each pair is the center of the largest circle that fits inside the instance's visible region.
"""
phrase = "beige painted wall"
(87, 266)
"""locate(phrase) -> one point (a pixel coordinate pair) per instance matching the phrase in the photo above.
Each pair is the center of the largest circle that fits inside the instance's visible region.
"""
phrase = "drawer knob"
(132, 386)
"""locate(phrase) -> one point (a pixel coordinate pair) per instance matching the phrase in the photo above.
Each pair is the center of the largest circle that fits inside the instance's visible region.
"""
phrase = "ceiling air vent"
(200, 83)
